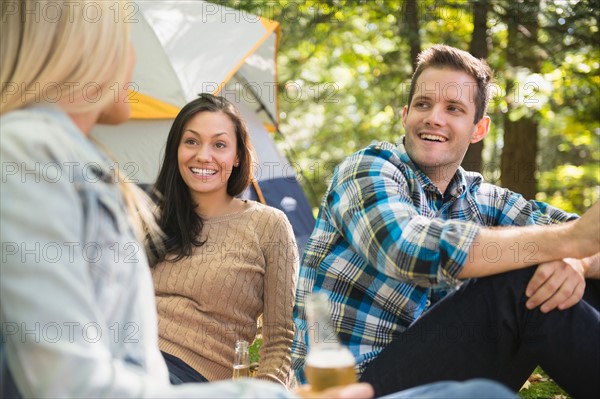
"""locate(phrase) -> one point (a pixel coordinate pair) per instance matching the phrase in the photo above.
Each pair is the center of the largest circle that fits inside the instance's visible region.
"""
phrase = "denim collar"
(100, 167)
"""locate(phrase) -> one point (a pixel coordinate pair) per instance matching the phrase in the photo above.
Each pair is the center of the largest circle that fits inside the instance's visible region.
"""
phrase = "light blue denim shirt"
(78, 315)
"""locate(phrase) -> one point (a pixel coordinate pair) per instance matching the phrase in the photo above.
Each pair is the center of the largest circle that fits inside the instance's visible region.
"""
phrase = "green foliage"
(543, 389)
(344, 69)
(254, 350)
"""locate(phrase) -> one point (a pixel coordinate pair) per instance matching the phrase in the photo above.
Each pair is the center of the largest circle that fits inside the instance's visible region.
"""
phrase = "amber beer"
(329, 368)
(241, 371)
(241, 361)
(328, 363)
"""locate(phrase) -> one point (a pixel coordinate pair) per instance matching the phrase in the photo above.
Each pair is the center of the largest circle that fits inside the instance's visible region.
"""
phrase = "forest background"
(344, 71)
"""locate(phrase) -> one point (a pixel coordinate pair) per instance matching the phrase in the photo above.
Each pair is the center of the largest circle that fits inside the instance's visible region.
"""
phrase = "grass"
(542, 387)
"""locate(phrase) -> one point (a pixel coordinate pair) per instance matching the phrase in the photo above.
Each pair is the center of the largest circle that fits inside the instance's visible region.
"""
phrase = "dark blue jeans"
(484, 330)
(180, 372)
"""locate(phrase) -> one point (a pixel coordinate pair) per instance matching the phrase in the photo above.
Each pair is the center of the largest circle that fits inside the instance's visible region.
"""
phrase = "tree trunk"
(409, 25)
(479, 49)
(518, 156)
(518, 161)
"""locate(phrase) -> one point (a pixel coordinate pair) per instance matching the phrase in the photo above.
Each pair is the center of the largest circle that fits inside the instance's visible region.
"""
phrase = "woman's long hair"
(176, 209)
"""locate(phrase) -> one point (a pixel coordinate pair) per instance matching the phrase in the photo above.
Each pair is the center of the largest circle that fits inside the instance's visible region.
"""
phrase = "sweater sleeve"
(282, 262)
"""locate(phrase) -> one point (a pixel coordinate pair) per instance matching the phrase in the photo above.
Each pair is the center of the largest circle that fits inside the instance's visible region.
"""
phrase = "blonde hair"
(70, 54)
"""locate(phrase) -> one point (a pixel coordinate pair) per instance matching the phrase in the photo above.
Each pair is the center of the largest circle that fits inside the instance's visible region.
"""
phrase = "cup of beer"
(329, 367)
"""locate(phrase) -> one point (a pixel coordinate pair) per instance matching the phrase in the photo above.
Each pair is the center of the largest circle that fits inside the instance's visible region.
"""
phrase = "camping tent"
(186, 48)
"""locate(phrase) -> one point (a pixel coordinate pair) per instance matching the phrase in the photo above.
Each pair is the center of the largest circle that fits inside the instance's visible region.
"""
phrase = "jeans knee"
(515, 281)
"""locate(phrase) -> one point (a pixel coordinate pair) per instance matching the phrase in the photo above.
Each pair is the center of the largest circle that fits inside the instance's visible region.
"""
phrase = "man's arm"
(519, 247)
(558, 282)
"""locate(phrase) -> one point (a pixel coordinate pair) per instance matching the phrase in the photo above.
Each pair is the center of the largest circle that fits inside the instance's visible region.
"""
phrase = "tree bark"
(478, 48)
(518, 160)
(518, 156)
(410, 25)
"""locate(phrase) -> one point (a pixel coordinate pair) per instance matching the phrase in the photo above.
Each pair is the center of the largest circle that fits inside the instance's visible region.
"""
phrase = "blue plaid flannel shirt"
(387, 245)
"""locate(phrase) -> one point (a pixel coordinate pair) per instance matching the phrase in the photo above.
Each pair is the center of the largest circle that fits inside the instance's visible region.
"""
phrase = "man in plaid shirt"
(402, 227)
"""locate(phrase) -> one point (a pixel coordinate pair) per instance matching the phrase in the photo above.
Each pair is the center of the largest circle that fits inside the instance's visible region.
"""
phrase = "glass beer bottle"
(241, 361)
(328, 363)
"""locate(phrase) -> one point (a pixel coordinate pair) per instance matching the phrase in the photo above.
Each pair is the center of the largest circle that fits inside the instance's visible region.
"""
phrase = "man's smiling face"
(439, 123)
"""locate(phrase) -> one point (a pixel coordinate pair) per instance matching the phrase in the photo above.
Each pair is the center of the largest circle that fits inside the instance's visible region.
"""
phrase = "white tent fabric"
(184, 48)
(188, 47)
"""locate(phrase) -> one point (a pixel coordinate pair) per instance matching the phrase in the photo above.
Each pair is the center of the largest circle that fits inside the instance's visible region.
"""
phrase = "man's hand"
(352, 391)
(585, 233)
(557, 284)
(592, 265)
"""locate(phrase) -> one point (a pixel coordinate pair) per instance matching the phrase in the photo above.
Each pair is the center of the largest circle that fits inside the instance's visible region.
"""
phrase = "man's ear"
(404, 115)
(481, 129)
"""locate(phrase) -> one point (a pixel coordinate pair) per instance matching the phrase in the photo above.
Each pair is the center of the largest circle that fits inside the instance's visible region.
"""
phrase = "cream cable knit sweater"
(247, 267)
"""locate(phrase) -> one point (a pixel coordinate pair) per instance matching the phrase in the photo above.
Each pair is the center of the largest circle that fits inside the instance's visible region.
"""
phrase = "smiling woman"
(207, 155)
(226, 261)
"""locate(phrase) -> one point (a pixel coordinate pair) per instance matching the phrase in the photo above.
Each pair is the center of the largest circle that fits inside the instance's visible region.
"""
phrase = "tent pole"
(259, 194)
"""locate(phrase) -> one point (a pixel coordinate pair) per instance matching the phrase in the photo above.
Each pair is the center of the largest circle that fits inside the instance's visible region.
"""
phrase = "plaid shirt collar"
(457, 186)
